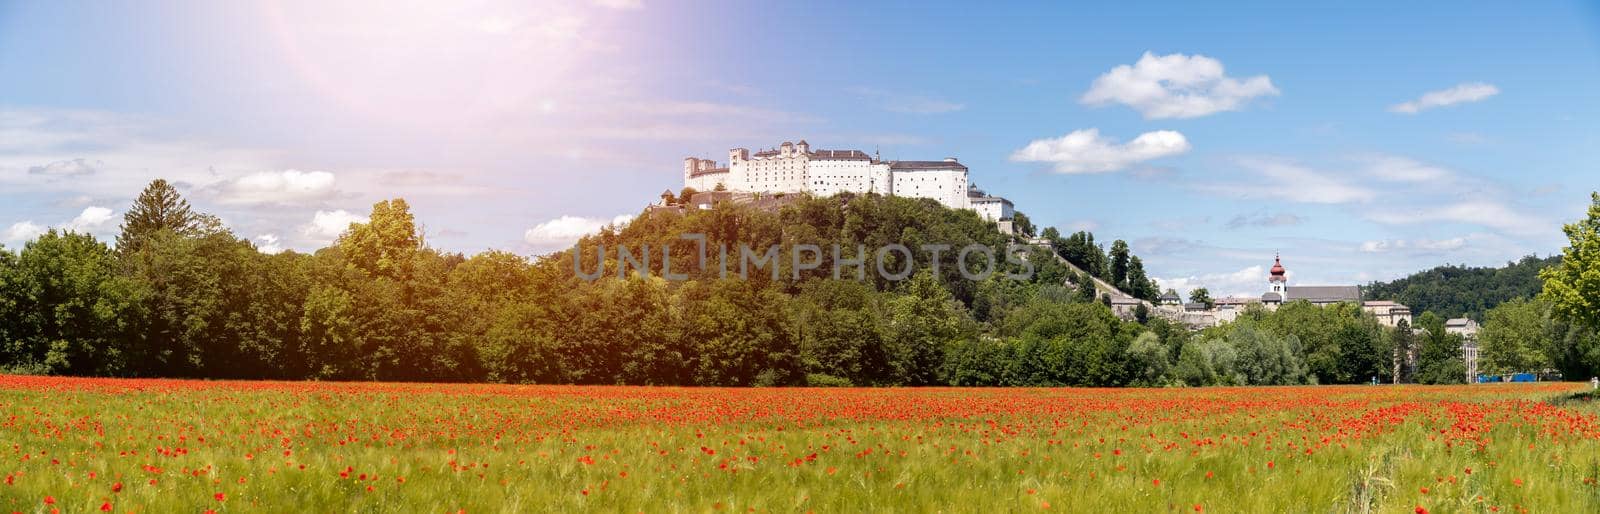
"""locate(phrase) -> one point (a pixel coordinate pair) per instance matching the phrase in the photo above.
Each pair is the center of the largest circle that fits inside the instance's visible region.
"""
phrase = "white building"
(993, 208)
(1390, 314)
(705, 175)
(798, 168)
(1468, 330)
(944, 181)
(1280, 292)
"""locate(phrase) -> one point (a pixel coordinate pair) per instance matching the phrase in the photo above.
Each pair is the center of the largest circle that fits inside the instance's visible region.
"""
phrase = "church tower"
(1279, 278)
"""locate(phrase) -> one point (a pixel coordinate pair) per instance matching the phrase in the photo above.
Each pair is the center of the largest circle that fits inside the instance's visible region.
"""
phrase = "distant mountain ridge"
(1455, 291)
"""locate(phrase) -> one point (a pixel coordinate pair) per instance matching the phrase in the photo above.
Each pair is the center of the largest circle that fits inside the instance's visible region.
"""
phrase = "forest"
(1456, 291)
(179, 295)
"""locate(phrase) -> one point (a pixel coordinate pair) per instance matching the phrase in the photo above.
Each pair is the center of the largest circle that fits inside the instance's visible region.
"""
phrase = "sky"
(1361, 142)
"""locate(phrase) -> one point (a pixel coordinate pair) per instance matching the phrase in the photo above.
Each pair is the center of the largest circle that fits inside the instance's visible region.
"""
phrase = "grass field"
(87, 445)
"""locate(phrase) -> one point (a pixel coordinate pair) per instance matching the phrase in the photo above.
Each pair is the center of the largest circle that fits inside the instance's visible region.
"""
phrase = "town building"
(793, 168)
(1468, 330)
(1390, 314)
(1279, 292)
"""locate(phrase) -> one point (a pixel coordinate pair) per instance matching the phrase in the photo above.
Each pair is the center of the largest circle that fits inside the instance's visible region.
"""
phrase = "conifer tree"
(158, 207)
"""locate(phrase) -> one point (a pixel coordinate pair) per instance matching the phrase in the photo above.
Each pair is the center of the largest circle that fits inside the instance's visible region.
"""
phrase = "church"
(1279, 292)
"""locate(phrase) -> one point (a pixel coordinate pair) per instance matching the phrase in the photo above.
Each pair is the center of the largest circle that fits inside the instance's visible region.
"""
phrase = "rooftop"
(854, 155)
(1324, 294)
(711, 171)
(926, 165)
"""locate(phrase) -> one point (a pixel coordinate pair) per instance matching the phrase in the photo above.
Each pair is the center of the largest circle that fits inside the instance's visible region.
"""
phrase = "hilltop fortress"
(797, 168)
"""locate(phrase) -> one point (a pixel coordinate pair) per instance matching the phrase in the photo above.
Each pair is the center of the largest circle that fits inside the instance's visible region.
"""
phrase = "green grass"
(540, 449)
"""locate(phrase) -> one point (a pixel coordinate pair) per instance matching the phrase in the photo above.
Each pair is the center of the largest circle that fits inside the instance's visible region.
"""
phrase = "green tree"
(1023, 225)
(8, 311)
(1119, 265)
(1203, 362)
(328, 334)
(159, 207)
(1150, 360)
(922, 322)
(68, 308)
(1086, 288)
(1266, 359)
(1513, 337)
(740, 335)
(1202, 295)
(210, 305)
(840, 325)
(977, 362)
(386, 244)
(1439, 360)
(1405, 350)
(1139, 283)
(1077, 344)
(1573, 286)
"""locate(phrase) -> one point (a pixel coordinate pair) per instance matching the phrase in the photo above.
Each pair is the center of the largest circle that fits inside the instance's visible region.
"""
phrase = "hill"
(1455, 291)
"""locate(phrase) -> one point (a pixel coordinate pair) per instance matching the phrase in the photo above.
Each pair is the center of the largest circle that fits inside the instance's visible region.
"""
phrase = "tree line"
(179, 295)
(1456, 291)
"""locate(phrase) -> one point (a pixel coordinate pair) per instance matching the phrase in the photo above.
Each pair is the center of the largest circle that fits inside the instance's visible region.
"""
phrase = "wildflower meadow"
(159, 446)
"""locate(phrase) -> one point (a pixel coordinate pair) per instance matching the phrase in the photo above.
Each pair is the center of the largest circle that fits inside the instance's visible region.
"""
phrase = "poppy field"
(94, 445)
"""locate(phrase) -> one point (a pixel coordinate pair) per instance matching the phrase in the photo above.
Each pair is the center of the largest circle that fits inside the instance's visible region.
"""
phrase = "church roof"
(1271, 297)
(1324, 294)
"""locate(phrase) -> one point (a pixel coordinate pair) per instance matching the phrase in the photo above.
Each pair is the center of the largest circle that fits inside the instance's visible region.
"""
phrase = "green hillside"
(1454, 291)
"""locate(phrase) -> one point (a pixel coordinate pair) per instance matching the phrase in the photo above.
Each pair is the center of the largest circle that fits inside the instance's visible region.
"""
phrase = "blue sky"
(1250, 129)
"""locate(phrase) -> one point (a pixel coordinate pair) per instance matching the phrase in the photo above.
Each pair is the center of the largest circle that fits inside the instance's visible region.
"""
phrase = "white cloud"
(269, 244)
(1176, 86)
(92, 217)
(1485, 213)
(1162, 246)
(1262, 219)
(104, 155)
(279, 188)
(1085, 151)
(23, 231)
(1461, 93)
(67, 168)
(1283, 180)
(1082, 225)
(566, 230)
(1247, 282)
(326, 226)
(1401, 169)
(620, 4)
(1426, 245)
